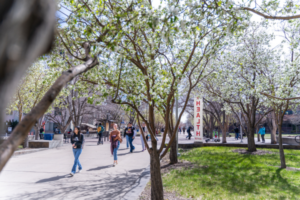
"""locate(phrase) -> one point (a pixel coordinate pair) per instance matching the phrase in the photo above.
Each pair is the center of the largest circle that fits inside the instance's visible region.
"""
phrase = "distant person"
(183, 130)
(87, 131)
(41, 133)
(262, 132)
(115, 139)
(56, 130)
(130, 132)
(77, 140)
(70, 131)
(189, 133)
(179, 130)
(100, 131)
(236, 130)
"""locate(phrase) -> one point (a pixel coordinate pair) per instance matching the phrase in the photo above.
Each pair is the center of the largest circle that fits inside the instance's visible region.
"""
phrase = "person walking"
(41, 133)
(189, 133)
(130, 132)
(77, 140)
(100, 131)
(115, 139)
(87, 131)
(179, 130)
(183, 129)
(236, 130)
(262, 132)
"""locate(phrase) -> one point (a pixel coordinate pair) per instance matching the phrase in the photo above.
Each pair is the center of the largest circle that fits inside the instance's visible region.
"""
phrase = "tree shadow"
(105, 188)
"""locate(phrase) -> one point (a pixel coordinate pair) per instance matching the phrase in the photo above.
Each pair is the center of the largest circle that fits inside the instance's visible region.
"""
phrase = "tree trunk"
(274, 128)
(281, 152)
(25, 143)
(224, 135)
(157, 192)
(273, 136)
(173, 153)
(258, 137)
(36, 130)
(251, 143)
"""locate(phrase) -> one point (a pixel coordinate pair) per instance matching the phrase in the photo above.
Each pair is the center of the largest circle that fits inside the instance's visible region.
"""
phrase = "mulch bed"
(165, 169)
(258, 152)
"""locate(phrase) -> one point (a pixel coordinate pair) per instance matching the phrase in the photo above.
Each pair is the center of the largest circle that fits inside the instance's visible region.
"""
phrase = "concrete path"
(44, 175)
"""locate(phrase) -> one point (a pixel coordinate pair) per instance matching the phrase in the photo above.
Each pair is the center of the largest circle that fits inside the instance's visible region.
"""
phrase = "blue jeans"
(127, 141)
(76, 153)
(115, 151)
(100, 138)
(237, 135)
(130, 143)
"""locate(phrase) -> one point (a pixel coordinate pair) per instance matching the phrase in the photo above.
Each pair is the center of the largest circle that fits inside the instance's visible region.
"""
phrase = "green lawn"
(222, 174)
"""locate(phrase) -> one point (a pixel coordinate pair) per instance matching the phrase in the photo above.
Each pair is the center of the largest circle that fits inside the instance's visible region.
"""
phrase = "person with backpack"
(130, 132)
(77, 140)
(100, 131)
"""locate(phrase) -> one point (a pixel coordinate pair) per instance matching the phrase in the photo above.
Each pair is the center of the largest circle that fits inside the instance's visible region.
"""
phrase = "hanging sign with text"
(198, 119)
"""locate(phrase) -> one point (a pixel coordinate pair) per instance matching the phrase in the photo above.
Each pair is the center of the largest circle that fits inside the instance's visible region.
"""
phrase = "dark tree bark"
(157, 191)
(281, 151)
(173, 153)
(251, 143)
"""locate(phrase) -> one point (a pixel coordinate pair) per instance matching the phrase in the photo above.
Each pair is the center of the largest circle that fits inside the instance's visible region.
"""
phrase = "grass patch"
(223, 174)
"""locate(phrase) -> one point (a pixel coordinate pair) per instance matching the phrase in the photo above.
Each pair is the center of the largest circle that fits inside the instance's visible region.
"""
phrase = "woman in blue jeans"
(115, 139)
(77, 140)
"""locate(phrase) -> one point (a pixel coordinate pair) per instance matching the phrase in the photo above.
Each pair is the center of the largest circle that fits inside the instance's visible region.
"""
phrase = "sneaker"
(79, 170)
(71, 174)
(114, 165)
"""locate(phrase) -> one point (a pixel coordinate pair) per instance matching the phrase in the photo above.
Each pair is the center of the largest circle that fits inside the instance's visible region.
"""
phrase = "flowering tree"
(33, 86)
(151, 52)
(239, 82)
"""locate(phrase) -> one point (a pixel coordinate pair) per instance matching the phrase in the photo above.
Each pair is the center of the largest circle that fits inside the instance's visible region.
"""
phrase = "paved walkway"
(44, 175)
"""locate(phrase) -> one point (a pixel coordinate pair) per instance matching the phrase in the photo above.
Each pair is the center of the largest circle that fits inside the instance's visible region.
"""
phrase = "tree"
(272, 126)
(240, 70)
(216, 110)
(151, 55)
(33, 86)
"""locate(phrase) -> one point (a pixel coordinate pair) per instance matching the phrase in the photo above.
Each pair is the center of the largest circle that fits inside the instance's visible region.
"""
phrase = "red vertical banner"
(198, 119)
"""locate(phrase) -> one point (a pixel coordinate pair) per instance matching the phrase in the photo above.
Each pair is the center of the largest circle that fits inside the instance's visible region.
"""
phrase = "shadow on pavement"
(109, 188)
(136, 170)
(99, 168)
(55, 178)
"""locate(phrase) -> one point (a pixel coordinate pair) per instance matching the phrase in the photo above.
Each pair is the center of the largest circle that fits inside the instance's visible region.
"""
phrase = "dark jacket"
(41, 130)
(189, 130)
(129, 131)
(236, 130)
(77, 141)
